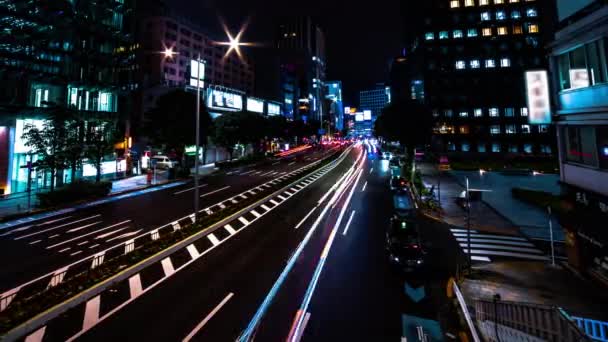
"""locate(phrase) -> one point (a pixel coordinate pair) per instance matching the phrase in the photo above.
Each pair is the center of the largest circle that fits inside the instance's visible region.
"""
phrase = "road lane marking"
(501, 247)
(103, 236)
(248, 172)
(95, 245)
(193, 251)
(91, 313)
(65, 250)
(167, 266)
(76, 253)
(291, 163)
(265, 207)
(277, 163)
(512, 243)
(243, 220)
(213, 239)
(306, 217)
(350, 219)
(83, 227)
(480, 258)
(255, 213)
(124, 235)
(83, 243)
(36, 336)
(214, 191)
(53, 236)
(135, 288)
(281, 197)
(243, 196)
(274, 202)
(266, 173)
(35, 242)
(208, 318)
(364, 186)
(57, 227)
(486, 236)
(229, 229)
(294, 190)
(190, 189)
(507, 254)
(91, 233)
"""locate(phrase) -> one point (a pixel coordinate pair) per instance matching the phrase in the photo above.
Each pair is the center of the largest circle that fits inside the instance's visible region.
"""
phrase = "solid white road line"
(36, 336)
(57, 227)
(83, 227)
(512, 243)
(480, 258)
(213, 239)
(243, 220)
(124, 235)
(20, 229)
(507, 254)
(103, 236)
(91, 313)
(214, 191)
(135, 287)
(364, 186)
(189, 189)
(502, 248)
(229, 229)
(491, 236)
(305, 218)
(167, 266)
(208, 318)
(255, 213)
(350, 219)
(304, 324)
(193, 251)
(91, 233)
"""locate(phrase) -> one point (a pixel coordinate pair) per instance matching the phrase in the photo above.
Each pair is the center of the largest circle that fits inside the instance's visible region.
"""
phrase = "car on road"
(395, 162)
(404, 204)
(403, 246)
(387, 155)
(398, 183)
(164, 162)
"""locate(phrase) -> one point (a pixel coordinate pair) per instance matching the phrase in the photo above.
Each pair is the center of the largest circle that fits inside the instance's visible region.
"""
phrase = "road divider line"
(76, 253)
(91, 313)
(57, 227)
(189, 189)
(215, 191)
(135, 288)
(350, 219)
(208, 318)
(306, 217)
(91, 233)
(82, 227)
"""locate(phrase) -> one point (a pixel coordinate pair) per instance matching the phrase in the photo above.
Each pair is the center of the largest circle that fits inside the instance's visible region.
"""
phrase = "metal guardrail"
(465, 312)
(595, 329)
(546, 322)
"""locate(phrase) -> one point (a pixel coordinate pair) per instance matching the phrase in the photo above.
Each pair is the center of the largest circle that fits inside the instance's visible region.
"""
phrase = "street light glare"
(168, 53)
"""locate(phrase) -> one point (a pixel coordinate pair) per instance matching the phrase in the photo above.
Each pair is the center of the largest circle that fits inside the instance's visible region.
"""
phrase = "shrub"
(79, 190)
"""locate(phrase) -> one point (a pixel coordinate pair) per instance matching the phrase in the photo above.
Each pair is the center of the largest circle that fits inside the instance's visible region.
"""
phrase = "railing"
(545, 322)
(597, 330)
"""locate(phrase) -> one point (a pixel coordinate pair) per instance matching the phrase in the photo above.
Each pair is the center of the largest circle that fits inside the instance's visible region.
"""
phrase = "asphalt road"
(308, 264)
(34, 249)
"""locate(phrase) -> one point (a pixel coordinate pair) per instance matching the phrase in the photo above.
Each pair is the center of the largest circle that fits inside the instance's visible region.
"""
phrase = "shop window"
(495, 147)
(528, 148)
(481, 148)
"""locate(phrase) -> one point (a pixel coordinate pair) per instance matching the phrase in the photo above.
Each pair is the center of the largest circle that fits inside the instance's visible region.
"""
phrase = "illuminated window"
(460, 64)
(490, 63)
(447, 113)
(478, 112)
(429, 36)
(515, 15)
(475, 64)
(533, 28)
(484, 2)
(498, 2)
(509, 112)
(481, 148)
(517, 29)
(531, 12)
(485, 16)
(513, 148)
(510, 129)
(525, 129)
(465, 147)
(472, 32)
(495, 129)
(454, 4)
(500, 15)
(464, 114)
(513, 1)
(464, 129)
(528, 148)
(494, 112)
(435, 113)
(457, 33)
(495, 147)
(543, 129)
(545, 149)
(524, 111)
(469, 3)
(502, 31)
(451, 146)
(444, 35)
(487, 31)
(505, 62)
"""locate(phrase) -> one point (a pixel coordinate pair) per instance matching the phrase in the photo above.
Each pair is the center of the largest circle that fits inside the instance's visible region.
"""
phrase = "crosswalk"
(485, 247)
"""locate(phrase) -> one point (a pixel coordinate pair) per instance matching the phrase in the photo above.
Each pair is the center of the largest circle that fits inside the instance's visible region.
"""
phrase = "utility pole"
(468, 201)
(198, 128)
(551, 236)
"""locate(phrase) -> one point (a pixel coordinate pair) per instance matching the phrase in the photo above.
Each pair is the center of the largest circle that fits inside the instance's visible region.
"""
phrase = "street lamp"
(198, 135)
(169, 53)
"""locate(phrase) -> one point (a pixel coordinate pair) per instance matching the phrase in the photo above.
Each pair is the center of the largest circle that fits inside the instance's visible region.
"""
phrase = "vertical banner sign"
(194, 73)
(537, 90)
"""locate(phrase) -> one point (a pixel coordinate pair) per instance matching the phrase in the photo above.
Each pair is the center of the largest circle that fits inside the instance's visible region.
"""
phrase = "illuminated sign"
(359, 117)
(256, 106)
(347, 110)
(537, 90)
(107, 167)
(579, 78)
(367, 115)
(274, 109)
(218, 99)
(194, 72)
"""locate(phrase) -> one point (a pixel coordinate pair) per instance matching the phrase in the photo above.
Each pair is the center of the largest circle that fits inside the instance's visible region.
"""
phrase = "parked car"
(403, 245)
(164, 162)
(387, 155)
(395, 162)
(404, 204)
(398, 183)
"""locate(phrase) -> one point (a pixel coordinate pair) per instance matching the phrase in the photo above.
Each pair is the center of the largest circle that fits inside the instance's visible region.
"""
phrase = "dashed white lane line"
(208, 318)
(255, 213)
(248, 172)
(83, 227)
(53, 236)
(103, 236)
(57, 227)
(65, 250)
(124, 235)
(229, 229)
(243, 220)
(35, 242)
(93, 246)
(277, 163)
(91, 233)
(167, 266)
(266, 173)
(135, 287)
(189, 189)
(291, 163)
(213, 239)
(215, 191)
(82, 243)
(193, 251)
(76, 253)
(91, 313)
(350, 219)
(364, 186)
(305, 217)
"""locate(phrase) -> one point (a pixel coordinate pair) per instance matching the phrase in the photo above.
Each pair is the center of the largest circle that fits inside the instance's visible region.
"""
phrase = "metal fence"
(597, 330)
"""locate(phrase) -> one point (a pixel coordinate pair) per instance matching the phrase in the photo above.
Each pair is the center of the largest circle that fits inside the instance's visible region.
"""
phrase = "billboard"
(367, 115)
(254, 105)
(194, 72)
(274, 109)
(359, 117)
(218, 99)
(537, 91)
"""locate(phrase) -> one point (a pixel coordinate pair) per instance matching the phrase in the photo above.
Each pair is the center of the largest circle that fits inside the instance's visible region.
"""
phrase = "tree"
(407, 121)
(74, 145)
(227, 132)
(100, 139)
(172, 122)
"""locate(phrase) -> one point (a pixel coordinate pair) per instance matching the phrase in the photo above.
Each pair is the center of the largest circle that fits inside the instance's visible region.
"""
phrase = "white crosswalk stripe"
(485, 246)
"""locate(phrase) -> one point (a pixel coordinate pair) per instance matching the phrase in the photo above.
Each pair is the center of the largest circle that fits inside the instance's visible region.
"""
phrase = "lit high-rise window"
(498, 2)
(464, 114)
(447, 113)
(505, 62)
(495, 147)
(457, 33)
(517, 29)
(460, 64)
(484, 2)
(523, 111)
(477, 112)
(485, 16)
(475, 64)
(502, 31)
(469, 3)
(531, 12)
(490, 63)
(513, 1)
(493, 112)
(429, 36)
(533, 28)
(472, 32)
(525, 129)
(486, 31)
(510, 129)
(500, 15)
(515, 15)
(495, 129)
(444, 35)
(454, 4)
(509, 112)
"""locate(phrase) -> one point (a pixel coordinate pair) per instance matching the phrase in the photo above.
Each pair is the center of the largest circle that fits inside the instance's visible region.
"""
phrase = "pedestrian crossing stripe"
(483, 246)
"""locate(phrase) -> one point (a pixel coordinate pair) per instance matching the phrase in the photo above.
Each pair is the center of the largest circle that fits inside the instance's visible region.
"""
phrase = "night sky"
(361, 37)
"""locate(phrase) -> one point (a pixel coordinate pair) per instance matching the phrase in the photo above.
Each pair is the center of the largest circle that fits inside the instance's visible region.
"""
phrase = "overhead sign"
(537, 90)
(274, 109)
(195, 68)
(254, 105)
(218, 99)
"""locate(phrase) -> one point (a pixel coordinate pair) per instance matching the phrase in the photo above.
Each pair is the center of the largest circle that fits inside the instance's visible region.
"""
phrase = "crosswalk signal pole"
(468, 227)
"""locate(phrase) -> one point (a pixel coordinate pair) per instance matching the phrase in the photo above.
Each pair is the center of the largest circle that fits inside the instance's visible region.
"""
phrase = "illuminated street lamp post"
(198, 133)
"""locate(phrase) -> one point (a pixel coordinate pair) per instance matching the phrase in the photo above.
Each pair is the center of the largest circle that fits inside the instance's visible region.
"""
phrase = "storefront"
(587, 232)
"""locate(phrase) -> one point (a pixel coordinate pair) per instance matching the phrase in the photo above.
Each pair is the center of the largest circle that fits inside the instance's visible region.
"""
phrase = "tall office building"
(375, 99)
(473, 55)
(301, 47)
(580, 79)
(335, 105)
